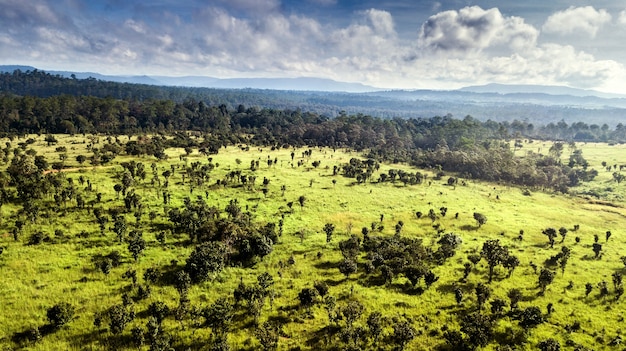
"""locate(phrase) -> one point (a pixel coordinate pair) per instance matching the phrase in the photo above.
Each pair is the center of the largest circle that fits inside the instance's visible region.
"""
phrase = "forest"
(150, 223)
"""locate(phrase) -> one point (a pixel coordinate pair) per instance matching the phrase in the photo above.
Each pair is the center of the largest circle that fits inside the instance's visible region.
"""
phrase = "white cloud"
(622, 17)
(584, 20)
(473, 29)
(468, 46)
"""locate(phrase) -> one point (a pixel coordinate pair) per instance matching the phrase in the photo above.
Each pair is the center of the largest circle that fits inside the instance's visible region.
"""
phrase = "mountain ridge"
(314, 84)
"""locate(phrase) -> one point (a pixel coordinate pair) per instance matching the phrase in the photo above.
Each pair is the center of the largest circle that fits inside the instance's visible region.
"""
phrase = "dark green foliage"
(206, 260)
(136, 244)
(159, 311)
(495, 254)
(551, 234)
(497, 306)
(321, 287)
(268, 335)
(549, 345)
(530, 317)
(352, 312)
(403, 333)
(478, 328)
(482, 294)
(119, 317)
(151, 275)
(218, 316)
(480, 219)
(375, 324)
(329, 228)
(307, 297)
(545, 278)
(597, 249)
(182, 283)
(60, 314)
(514, 295)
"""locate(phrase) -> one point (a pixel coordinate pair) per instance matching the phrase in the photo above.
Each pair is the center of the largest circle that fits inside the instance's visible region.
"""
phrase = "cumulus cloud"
(473, 29)
(245, 38)
(584, 20)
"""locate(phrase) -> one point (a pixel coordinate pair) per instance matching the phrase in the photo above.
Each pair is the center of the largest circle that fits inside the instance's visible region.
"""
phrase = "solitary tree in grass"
(597, 249)
(495, 254)
(514, 295)
(545, 278)
(329, 228)
(480, 219)
(301, 200)
(136, 244)
(551, 234)
(307, 297)
(563, 233)
(347, 267)
(60, 314)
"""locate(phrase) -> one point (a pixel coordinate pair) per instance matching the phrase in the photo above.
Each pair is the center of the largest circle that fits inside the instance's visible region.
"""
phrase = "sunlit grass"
(34, 278)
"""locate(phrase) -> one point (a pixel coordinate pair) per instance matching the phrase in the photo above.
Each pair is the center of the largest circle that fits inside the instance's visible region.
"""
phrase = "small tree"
(597, 249)
(478, 328)
(375, 324)
(480, 219)
(307, 297)
(563, 233)
(218, 316)
(549, 345)
(347, 267)
(207, 260)
(60, 314)
(495, 254)
(329, 228)
(514, 295)
(301, 200)
(530, 317)
(545, 278)
(551, 234)
(482, 294)
(136, 244)
(403, 333)
(159, 311)
(268, 334)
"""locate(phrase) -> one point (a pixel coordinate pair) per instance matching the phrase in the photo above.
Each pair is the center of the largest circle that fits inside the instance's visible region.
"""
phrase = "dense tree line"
(468, 146)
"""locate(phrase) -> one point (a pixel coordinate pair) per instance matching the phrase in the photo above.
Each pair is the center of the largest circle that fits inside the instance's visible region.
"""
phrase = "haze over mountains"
(541, 104)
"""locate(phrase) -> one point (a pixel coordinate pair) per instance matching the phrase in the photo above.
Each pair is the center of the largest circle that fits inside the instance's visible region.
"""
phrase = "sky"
(395, 44)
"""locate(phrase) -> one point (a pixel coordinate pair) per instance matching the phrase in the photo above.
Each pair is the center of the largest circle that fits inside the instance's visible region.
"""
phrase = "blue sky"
(392, 44)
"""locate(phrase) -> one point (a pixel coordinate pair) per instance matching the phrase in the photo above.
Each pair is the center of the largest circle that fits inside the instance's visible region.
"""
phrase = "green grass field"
(36, 277)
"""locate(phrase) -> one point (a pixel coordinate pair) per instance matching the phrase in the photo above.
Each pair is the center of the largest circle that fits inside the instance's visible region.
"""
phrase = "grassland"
(36, 277)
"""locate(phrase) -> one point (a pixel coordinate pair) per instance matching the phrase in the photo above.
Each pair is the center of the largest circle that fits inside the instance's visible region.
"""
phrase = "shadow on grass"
(326, 265)
(467, 227)
(323, 338)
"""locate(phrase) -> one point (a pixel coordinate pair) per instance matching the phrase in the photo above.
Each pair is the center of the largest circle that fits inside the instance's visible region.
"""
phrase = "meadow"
(34, 278)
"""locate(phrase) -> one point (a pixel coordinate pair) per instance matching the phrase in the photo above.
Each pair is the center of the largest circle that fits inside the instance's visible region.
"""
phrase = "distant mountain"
(537, 89)
(498, 102)
(300, 84)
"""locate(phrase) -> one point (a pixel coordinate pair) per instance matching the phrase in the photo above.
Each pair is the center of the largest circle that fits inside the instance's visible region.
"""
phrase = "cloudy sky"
(390, 43)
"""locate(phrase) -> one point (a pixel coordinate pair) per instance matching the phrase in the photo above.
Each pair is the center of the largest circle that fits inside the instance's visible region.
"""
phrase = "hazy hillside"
(535, 104)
